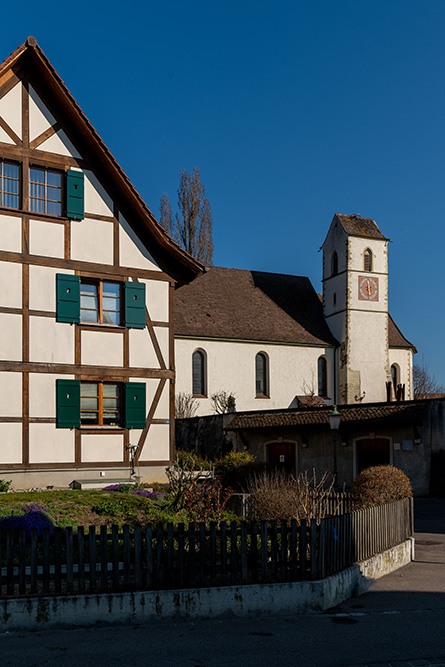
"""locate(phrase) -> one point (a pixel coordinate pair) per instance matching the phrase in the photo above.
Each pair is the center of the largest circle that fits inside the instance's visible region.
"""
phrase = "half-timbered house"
(86, 295)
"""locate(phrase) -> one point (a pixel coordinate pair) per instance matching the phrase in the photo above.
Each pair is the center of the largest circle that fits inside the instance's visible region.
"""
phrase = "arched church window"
(261, 374)
(334, 264)
(367, 260)
(199, 373)
(322, 377)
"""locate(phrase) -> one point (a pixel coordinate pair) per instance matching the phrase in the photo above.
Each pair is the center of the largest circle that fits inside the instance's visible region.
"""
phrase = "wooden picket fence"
(148, 558)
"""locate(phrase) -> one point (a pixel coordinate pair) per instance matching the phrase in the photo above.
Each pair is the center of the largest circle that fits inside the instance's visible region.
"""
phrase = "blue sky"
(291, 110)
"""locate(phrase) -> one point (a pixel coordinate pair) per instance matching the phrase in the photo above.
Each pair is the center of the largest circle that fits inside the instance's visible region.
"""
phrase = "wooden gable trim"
(179, 264)
(10, 132)
(10, 80)
(88, 269)
(45, 135)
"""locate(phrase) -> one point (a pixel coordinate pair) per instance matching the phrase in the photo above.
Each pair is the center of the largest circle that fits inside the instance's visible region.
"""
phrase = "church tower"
(355, 306)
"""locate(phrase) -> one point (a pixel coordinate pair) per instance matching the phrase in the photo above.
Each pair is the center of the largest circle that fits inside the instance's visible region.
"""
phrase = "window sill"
(96, 427)
(199, 396)
(262, 396)
(99, 325)
(34, 214)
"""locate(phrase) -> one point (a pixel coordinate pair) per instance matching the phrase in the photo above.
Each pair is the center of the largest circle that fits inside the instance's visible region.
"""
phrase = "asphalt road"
(400, 622)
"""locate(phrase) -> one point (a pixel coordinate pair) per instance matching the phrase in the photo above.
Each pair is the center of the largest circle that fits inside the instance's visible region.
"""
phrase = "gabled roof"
(355, 225)
(409, 411)
(30, 59)
(395, 336)
(251, 305)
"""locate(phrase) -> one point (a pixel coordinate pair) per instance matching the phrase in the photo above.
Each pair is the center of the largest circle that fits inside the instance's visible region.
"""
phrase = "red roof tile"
(386, 412)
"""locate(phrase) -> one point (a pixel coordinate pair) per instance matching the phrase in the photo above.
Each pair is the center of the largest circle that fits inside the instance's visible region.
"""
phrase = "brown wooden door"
(372, 453)
(281, 455)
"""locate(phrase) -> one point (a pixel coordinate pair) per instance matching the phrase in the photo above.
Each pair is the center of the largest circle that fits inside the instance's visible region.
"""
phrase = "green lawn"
(84, 508)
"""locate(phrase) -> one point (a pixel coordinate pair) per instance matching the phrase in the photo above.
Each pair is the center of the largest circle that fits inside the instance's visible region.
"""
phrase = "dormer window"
(367, 260)
(334, 264)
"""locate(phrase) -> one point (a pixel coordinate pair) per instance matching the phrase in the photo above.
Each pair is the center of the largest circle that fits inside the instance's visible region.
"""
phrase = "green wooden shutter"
(75, 206)
(68, 403)
(134, 305)
(68, 298)
(135, 412)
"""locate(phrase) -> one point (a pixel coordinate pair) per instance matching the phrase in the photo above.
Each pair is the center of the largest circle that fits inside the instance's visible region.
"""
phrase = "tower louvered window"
(334, 264)
(367, 260)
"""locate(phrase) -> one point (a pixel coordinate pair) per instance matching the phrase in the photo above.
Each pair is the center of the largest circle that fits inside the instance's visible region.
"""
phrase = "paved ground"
(399, 623)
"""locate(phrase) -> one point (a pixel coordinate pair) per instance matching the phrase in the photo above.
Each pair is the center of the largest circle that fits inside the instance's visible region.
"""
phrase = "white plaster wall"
(102, 348)
(162, 334)
(46, 238)
(132, 251)
(157, 443)
(106, 447)
(50, 341)
(362, 304)
(11, 109)
(231, 367)
(5, 138)
(10, 233)
(142, 353)
(97, 200)
(404, 359)
(10, 443)
(48, 444)
(42, 394)
(163, 409)
(60, 144)
(337, 240)
(40, 118)
(357, 247)
(42, 287)
(10, 337)
(10, 284)
(157, 298)
(11, 394)
(92, 241)
(368, 352)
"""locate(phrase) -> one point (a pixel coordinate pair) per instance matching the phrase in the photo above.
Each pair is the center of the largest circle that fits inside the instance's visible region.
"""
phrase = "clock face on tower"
(368, 288)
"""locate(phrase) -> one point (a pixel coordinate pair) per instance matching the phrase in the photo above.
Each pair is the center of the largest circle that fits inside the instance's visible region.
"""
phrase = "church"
(273, 342)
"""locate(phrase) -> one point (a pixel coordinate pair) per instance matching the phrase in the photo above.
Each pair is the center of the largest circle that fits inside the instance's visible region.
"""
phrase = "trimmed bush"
(379, 485)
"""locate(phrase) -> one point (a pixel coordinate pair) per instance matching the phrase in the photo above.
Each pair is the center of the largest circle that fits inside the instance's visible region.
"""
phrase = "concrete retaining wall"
(252, 600)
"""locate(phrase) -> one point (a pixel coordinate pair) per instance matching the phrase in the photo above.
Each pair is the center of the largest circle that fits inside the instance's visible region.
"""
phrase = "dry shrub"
(275, 495)
(379, 485)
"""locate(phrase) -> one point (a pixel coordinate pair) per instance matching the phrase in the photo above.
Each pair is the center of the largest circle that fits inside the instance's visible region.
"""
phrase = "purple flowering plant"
(33, 516)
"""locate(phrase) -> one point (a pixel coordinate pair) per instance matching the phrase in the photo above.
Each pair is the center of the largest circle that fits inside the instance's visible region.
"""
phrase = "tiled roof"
(251, 305)
(395, 336)
(355, 225)
(410, 411)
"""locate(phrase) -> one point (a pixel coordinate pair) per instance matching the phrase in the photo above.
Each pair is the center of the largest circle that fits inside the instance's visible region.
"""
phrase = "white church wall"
(404, 361)
(231, 368)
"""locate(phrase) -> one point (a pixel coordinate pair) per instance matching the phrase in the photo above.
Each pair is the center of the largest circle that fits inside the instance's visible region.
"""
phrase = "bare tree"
(192, 225)
(223, 402)
(185, 405)
(425, 383)
(166, 219)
